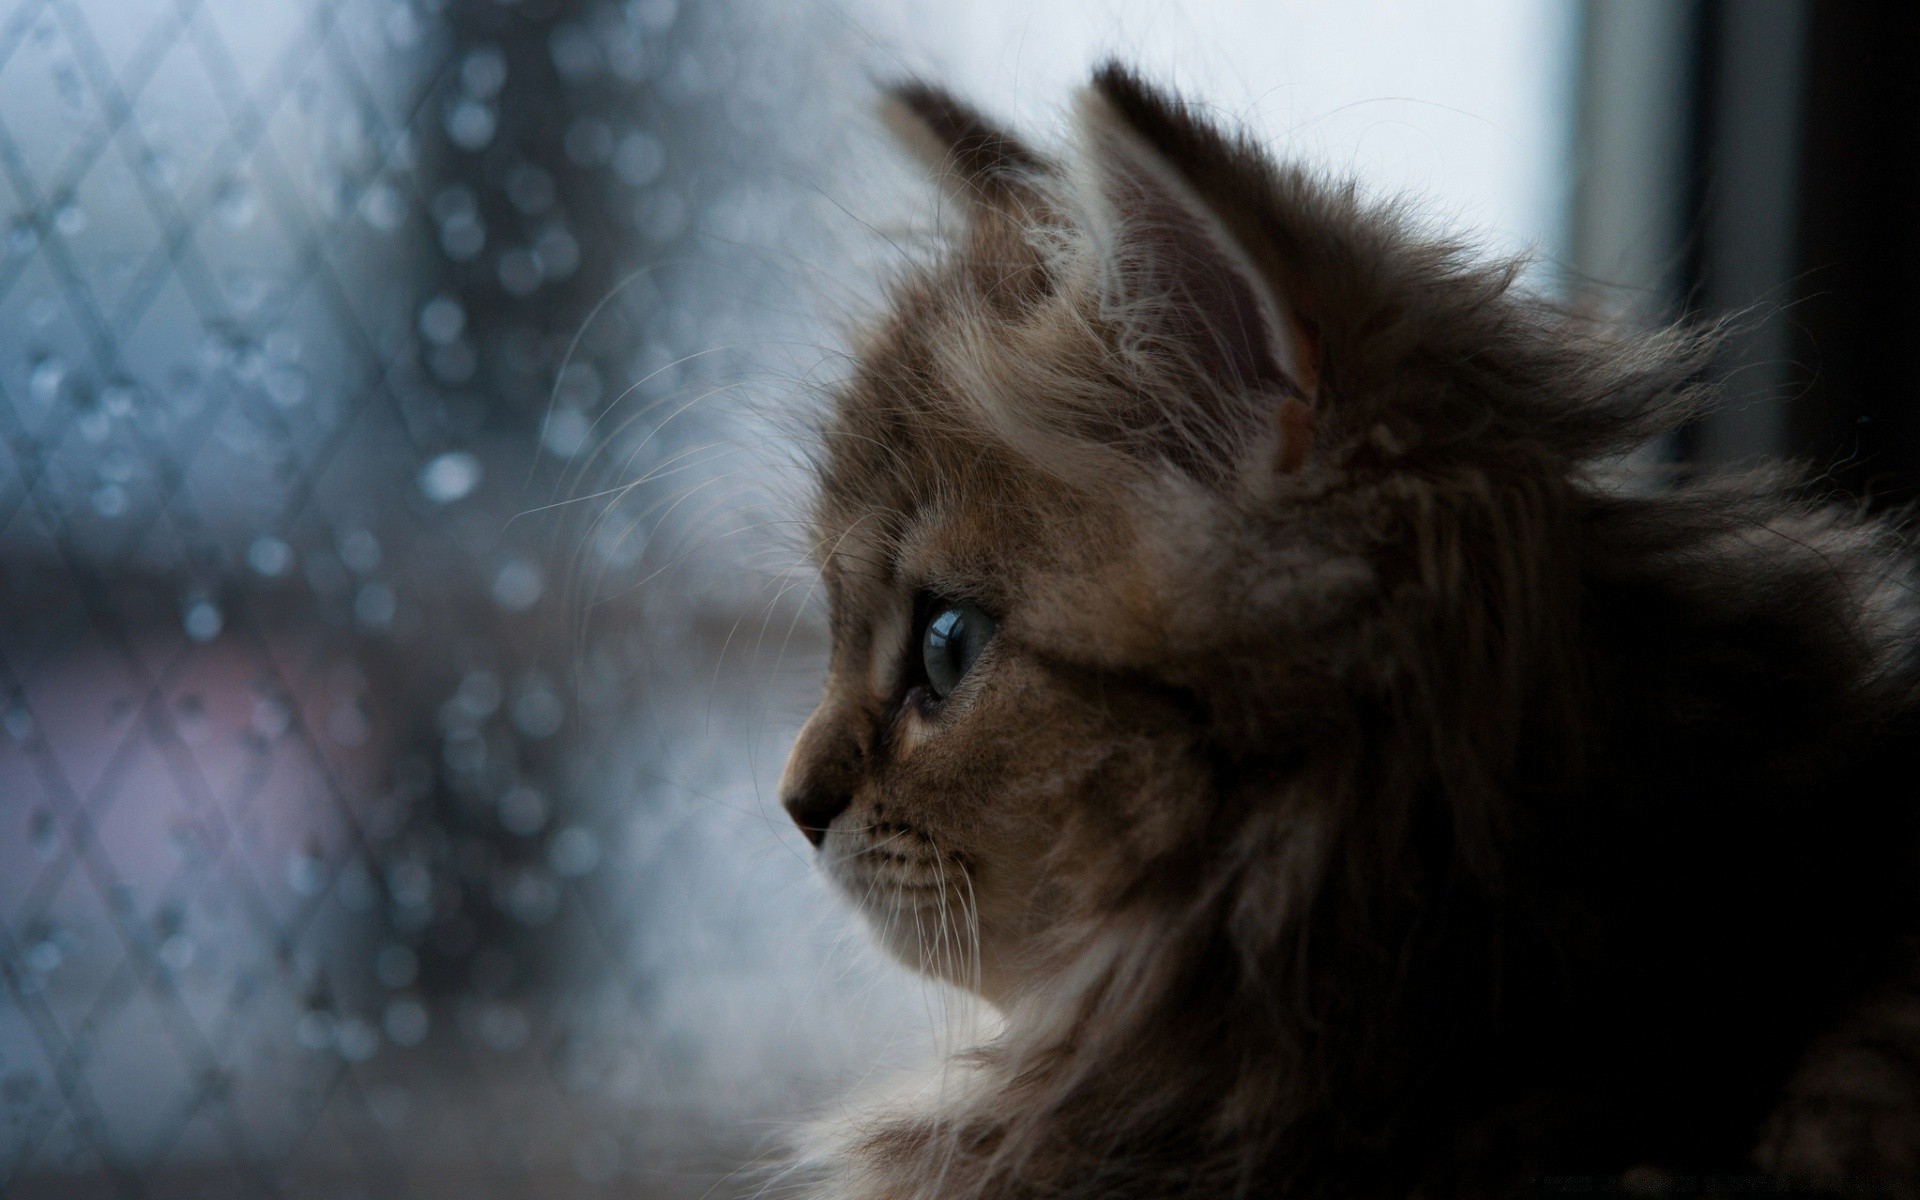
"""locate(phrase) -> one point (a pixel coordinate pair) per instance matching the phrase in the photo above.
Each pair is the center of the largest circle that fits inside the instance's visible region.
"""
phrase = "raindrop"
(160, 168)
(347, 724)
(270, 556)
(19, 722)
(110, 500)
(639, 159)
(286, 386)
(359, 549)
(530, 188)
(410, 884)
(566, 433)
(43, 835)
(236, 204)
(479, 694)
(653, 15)
(450, 476)
(22, 237)
(589, 142)
(354, 887)
(557, 252)
(442, 319)
(177, 952)
(271, 716)
(573, 852)
(597, 1158)
(533, 897)
(503, 1027)
(484, 71)
(45, 956)
(314, 1030)
(190, 719)
(406, 1021)
(454, 364)
(454, 200)
(573, 51)
(117, 399)
(520, 272)
(463, 237)
(518, 585)
(471, 124)
(306, 875)
(356, 1039)
(70, 219)
(403, 26)
(465, 751)
(202, 620)
(374, 605)
(523, 811)
(382, 207)
(536, 710)
(661, 216)
(396, 965)
(95, 425)
(44, 381)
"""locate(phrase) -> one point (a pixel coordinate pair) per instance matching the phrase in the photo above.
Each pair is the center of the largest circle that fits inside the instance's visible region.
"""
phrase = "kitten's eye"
(954, 637)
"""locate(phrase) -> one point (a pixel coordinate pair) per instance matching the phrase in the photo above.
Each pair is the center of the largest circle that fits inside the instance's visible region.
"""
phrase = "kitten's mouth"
(889, 866)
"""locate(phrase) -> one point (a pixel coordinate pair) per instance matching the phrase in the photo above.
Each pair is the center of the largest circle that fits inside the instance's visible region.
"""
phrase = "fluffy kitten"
(1242, 679)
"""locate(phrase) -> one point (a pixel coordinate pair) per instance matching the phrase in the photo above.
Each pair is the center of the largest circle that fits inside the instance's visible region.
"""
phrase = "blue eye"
(954, 637)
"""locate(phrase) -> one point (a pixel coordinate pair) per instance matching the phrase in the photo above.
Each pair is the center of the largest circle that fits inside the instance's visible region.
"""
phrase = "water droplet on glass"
(270, 556)
(533, 897)
(503, 1027)
(471, 124)
(202, 620)
(661, 216)
(356, 1039)
(573, 852)
(382, 207)
(589, 142)
(70, 219)
(639, 158)
(530, 189)
(43, 835)
(177, 952)
(520, 272)
(558, 253)
(314, 1030)
(450, 476)
(566, 433)
(573, 50)
(45, 956)
(463, 237)
(45, 378)
(523, 811)
(454, 364)
(18, 722)
(410, 884)
(396, 966)
(479, 694)
(271, 717)
(236, 204)
(306, 875)
(22, 237)
(442, 319)
(518, 585)
(406, 1021)
(374, 605)
(484, 71)
(403, 26)
(359, 549)
(537, 711)
(110, 500)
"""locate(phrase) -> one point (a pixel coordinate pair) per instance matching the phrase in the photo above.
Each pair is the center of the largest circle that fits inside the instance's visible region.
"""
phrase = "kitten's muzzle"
(813, 809)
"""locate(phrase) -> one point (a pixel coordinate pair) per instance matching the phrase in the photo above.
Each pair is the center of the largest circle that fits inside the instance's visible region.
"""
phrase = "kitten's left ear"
(1176, 223)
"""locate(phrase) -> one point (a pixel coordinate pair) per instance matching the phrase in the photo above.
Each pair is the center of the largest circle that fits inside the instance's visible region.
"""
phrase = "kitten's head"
(1177, 477)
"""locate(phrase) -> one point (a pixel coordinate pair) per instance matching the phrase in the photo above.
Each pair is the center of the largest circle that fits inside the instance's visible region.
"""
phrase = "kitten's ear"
(1181, 256)
(974, 160)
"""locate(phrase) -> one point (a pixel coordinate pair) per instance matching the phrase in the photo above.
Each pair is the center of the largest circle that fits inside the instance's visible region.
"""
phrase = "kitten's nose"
(814, 809)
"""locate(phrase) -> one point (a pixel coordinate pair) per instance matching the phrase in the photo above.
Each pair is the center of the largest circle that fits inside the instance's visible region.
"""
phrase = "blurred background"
(402, 607)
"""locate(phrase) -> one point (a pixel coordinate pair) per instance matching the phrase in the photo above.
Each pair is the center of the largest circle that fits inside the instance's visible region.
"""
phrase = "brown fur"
(1358, 797)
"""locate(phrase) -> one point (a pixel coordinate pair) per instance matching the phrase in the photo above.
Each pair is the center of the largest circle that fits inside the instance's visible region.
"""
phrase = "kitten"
(1242, 679)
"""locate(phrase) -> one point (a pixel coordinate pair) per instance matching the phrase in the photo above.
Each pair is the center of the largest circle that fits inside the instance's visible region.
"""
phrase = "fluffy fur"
(1359, 797)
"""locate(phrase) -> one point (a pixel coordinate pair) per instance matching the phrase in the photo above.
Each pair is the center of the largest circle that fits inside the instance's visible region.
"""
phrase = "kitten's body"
(1356, 796)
